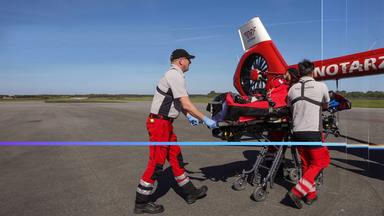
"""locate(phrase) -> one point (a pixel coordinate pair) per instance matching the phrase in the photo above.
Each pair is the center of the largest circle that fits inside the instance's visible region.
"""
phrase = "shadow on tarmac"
(225, 171)
(165, 182)
(372, 169)
(357, 140)
(371, 165)
(365, 168)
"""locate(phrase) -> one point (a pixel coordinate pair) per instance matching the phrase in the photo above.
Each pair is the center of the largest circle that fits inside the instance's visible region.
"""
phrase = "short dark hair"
(306, 67)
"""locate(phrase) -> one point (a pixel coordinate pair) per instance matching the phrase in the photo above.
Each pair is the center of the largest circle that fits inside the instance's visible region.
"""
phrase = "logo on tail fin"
(250, 34)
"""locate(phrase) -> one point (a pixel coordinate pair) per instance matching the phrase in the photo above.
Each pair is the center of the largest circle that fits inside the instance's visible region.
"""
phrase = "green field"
(367, 103)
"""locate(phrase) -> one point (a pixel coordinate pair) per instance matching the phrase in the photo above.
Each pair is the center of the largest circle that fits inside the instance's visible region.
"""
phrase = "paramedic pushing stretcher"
(170, 99)
(307, 99)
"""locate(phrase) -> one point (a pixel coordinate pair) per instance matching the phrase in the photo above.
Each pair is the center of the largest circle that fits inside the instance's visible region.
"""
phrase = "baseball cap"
(179, 53)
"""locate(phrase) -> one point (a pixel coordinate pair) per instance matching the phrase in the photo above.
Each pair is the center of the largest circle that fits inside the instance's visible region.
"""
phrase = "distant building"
(8, 97)
(79, 98)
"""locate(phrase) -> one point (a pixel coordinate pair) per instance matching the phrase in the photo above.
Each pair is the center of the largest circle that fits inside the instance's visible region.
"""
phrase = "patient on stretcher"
(231, 106)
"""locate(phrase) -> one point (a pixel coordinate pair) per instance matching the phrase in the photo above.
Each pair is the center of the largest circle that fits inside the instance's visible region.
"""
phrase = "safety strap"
(168, 94)
(302, 97)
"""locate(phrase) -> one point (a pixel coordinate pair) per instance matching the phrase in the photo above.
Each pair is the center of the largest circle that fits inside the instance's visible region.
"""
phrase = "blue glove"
(209, 122)
(333, 103)
(194, 121)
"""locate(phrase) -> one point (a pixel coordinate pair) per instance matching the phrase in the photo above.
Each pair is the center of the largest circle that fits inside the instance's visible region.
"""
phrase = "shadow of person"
(213, 173)
(225, 171)
(364, 167)
(375, 155)
(165, 182)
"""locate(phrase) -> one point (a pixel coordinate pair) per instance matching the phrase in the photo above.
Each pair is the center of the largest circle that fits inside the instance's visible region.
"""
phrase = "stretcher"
(241, 116)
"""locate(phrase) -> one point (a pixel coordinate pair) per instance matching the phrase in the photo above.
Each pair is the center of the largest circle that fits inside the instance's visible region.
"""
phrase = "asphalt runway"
(97, 180)
(39, 121)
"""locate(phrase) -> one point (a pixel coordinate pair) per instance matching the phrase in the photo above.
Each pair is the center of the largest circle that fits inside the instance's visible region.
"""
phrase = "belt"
(151, 115)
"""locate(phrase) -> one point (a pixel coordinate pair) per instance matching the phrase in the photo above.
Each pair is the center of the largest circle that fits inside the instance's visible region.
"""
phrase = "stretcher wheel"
(294, 175)
(259, 194)
(239, 184)
(337, 133)
(251, 84)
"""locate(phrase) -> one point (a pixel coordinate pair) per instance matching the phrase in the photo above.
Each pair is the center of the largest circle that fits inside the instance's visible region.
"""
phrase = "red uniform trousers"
(313, 161)
(161, 130)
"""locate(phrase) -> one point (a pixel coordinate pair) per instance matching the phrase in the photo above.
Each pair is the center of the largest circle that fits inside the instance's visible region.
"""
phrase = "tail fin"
(252, 33)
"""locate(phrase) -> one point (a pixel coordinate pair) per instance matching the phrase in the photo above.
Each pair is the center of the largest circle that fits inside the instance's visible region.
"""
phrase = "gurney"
(253, 117)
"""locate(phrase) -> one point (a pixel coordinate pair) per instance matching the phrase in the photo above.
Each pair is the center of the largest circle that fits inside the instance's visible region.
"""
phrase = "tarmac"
(101, 180)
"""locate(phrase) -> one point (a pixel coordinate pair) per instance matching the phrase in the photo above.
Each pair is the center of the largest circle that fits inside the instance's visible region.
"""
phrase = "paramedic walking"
(170, 99)
(307, 99)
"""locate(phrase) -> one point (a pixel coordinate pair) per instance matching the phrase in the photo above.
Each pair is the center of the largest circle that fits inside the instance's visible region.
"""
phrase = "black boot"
(144, 205)
(151, 208)
(295, 200)
(192, 193)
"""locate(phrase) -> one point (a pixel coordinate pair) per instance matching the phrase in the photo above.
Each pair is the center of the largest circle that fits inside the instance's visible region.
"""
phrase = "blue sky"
(107, 46)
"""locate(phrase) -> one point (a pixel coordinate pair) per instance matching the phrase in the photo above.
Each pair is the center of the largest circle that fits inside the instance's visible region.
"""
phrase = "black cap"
(179, 53)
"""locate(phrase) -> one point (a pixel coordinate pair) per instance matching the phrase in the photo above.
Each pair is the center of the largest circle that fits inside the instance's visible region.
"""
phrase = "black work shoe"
(151, 208)
(310, 201)
(295, 200)
(196, 194)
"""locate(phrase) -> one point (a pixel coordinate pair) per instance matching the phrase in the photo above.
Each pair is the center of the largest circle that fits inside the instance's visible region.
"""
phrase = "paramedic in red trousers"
(307, 99)
(170, 99)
